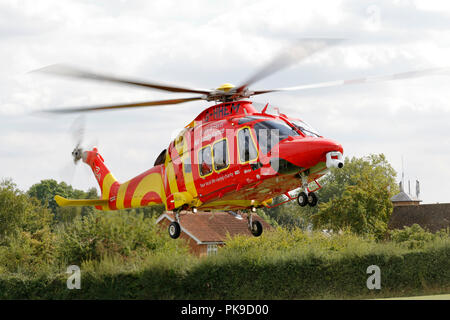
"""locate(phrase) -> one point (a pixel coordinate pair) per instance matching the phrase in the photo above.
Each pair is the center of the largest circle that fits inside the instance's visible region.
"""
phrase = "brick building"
(206, 231)
(432, 217)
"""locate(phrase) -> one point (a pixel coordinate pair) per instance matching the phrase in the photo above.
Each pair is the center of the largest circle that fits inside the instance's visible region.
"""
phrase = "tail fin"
(107, 182)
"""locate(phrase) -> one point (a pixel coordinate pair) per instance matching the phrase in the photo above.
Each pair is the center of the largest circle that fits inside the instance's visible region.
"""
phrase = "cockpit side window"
(247, 148)
(271, 132)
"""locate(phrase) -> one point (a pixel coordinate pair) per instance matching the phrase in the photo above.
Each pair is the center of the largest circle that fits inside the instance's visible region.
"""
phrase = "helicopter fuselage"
(230, 157)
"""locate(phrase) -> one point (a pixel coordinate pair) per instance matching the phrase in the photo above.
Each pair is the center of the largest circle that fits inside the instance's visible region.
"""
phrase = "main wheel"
(257, 228)
(312, 199)
(302, 199)
(174, 230)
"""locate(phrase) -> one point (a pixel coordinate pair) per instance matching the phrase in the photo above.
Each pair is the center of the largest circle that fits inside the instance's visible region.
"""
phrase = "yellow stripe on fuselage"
(106, 187)
(170, 172)
(188, 176)
(152, 182)
(121, 195)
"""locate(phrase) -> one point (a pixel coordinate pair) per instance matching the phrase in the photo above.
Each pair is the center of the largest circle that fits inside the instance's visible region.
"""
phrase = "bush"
(19, 212)
(108, 234)
(416, 237)
(29, 253)
(278, 265)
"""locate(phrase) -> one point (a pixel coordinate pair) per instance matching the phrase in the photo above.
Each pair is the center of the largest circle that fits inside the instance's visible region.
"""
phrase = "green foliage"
(46, 190)
(28, 253)
(153, 211)
(416, 237)
(359, 197)
(18, 212)
(109, 234)
(279, 265)
(356, 196)
(26, 242)
(289, 215)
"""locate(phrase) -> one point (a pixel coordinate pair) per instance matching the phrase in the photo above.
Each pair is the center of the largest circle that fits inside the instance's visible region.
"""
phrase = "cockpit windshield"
(305, 128)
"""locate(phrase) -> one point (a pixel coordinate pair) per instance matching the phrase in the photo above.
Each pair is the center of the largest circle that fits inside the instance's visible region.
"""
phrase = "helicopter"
(231, 156)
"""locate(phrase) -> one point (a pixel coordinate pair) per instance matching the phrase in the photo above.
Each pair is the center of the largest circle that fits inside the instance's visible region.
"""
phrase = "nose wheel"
(254, 226)
(312, 199)
(303, 199)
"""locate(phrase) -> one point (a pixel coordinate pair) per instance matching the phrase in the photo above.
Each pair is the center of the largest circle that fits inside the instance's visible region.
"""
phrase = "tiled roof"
(213, 226)
(403, 196)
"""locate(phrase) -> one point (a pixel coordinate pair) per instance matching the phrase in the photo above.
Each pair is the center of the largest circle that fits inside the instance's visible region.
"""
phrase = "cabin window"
(271, 132)
(204, 161)
(247, 149)
(220, 155)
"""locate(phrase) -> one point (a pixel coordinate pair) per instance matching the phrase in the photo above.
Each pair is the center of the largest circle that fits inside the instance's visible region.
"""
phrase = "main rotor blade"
(67, 71)
(397, 76)
(300, 50)
(122, 106)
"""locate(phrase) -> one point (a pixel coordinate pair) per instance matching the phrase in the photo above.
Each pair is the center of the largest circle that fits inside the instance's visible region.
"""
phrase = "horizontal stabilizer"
(63, 202)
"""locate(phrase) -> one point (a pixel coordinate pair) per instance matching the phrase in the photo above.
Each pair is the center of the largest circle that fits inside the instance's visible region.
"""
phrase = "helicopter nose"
(307, 152)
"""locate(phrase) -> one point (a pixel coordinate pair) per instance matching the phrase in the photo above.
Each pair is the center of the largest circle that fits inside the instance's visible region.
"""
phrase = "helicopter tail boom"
(107, 182)
(63, 202)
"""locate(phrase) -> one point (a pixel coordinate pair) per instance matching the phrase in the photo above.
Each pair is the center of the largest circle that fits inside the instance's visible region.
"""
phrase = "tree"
(349, 198)
(288, 215)
(46, 190)
(19, 212)
(358, 197)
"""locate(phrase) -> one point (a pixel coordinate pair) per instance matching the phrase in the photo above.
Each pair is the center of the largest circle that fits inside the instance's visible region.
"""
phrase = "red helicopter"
(230, 157)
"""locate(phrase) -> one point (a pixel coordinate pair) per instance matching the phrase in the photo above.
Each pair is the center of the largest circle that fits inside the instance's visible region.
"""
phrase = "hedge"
(289, 274)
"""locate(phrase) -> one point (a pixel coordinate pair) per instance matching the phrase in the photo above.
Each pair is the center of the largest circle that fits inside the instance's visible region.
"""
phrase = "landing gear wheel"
(174, 230)
(257, 228)
(312, 199)
(302, 199)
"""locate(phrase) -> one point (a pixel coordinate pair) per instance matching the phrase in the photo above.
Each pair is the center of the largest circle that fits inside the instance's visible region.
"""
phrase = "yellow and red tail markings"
(108, 184)
(113, 193)
(152, 182)
(151, 197)
(131, 188)
(109, 188)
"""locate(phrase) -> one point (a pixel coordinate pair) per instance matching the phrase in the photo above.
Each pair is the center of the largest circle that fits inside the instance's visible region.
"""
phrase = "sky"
(205, 44)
